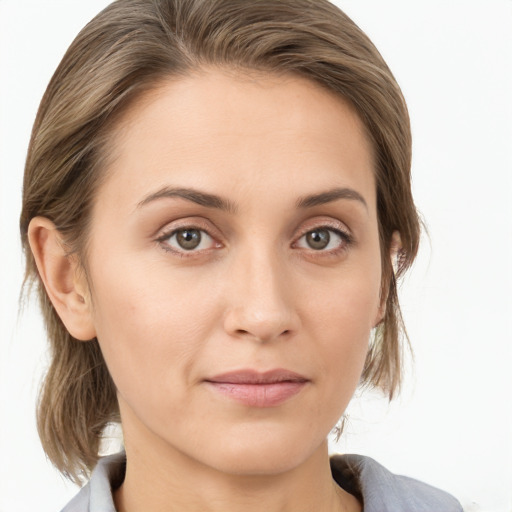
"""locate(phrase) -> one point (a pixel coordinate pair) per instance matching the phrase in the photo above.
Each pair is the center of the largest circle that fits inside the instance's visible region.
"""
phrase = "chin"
(262, 453)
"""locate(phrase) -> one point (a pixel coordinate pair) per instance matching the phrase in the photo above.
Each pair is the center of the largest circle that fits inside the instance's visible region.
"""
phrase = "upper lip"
(257, 377)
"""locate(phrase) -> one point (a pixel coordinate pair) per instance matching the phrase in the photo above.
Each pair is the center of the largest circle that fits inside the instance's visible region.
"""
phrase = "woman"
(216, 209)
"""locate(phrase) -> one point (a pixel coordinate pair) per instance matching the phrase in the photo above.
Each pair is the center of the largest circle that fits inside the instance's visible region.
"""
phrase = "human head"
(130, 48)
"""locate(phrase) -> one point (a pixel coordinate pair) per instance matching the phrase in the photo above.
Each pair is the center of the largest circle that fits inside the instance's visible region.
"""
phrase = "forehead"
(246, 130)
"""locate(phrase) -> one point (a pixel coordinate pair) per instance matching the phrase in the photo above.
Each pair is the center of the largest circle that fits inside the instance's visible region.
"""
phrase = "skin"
(253, 295)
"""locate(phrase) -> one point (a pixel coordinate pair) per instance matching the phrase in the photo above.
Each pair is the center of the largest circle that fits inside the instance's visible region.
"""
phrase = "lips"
(258, 389)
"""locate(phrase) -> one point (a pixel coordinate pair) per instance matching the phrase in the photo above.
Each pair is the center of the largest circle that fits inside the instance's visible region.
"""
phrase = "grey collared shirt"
(378, 489)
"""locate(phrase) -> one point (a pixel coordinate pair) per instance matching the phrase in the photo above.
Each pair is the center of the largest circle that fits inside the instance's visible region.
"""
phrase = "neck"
(168, 481)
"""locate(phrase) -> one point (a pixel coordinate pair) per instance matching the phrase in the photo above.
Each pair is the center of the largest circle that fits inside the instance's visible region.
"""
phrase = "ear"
(65, 285)
(394, 254)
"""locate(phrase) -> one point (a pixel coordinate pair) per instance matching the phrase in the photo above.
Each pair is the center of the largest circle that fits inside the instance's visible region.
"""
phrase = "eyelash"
(163, 240)
(346, 241)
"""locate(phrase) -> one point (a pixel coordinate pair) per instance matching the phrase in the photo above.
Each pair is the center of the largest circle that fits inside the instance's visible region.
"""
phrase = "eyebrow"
(190, 194)
(214, 201)
(329, 196)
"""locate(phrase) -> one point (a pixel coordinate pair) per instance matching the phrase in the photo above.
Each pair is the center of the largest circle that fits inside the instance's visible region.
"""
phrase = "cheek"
(341, 332)
(148, 327)
(346, 301)
(340, 317)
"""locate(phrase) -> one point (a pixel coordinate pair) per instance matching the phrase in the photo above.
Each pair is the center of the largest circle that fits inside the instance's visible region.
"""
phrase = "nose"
(261, 305)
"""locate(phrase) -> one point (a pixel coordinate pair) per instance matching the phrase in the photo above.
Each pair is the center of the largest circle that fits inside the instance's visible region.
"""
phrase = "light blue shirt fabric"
(378, 489)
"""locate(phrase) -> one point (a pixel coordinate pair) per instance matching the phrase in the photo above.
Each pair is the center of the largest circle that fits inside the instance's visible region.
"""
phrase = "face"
(234, 268)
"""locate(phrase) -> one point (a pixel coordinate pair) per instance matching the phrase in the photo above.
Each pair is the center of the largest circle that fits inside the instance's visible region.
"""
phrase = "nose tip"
(261, 306)
(261, 326)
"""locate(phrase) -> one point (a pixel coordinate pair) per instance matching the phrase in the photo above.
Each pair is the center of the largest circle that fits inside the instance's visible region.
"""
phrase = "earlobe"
(65, 285)
(395, 251)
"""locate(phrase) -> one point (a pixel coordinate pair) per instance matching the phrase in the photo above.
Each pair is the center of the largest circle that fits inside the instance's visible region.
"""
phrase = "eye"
(187, 239)
(323, 239)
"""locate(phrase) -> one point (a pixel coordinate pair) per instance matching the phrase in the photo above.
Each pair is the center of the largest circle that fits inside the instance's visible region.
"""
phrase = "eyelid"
(337, 227)
(171, 229)
(325, 223)
(192, 222)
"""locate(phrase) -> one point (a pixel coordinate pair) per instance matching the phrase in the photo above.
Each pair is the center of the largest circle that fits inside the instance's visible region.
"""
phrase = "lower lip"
(259, 395)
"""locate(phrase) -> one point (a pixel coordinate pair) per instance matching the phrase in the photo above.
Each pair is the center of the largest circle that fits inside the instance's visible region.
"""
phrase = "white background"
(452, 426)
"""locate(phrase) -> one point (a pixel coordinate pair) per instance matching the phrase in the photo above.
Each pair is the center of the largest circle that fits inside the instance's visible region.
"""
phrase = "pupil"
(188, 238)
(318, 239)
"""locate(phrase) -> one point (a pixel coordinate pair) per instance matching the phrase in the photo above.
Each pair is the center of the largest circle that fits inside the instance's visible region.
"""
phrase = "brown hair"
(132, 46)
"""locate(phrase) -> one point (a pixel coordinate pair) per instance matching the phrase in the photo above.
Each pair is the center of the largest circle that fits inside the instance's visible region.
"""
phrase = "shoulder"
(80, 503)
(382, 491)
(97, 496)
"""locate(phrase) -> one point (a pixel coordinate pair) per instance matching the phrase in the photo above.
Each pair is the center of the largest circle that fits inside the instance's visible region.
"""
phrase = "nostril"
(244, 333)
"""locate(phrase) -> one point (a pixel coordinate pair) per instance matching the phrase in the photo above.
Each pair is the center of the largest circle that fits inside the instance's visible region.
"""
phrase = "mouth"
(258, 389)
